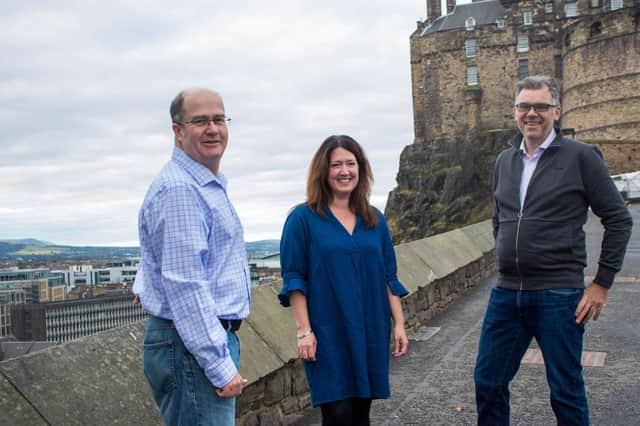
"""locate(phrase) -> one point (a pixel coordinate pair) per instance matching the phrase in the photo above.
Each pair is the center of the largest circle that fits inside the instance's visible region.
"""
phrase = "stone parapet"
(98, 379)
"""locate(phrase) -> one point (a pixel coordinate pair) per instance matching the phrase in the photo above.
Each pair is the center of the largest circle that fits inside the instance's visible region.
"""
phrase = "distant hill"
(50, 253)
(32, 250)
(28, 241)
(262, 248)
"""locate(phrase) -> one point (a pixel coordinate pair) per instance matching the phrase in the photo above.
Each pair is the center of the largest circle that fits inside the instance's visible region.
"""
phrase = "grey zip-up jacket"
(542, 245)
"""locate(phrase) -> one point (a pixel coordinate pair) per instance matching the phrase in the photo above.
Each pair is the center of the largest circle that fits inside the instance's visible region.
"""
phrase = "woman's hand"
(307, 346)
(400, 341)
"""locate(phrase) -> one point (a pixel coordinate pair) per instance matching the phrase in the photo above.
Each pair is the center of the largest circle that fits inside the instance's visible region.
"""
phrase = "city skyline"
(84, 104)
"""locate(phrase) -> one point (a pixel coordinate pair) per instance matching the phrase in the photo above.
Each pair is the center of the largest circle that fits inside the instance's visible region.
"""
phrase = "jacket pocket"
(506, 247)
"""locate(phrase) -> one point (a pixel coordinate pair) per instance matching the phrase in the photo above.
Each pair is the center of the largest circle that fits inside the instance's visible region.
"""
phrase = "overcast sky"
(86, 86)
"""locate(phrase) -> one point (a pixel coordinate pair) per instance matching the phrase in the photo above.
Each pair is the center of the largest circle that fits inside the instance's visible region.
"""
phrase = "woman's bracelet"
(305, 334)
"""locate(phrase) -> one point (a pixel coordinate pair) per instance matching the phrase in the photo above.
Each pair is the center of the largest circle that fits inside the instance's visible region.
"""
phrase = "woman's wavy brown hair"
(319, 193)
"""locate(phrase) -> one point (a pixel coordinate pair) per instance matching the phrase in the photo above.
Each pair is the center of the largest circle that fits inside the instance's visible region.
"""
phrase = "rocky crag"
(444, 184)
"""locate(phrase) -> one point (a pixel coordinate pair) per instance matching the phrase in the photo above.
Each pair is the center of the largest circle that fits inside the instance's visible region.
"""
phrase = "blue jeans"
(512, 319)
(182, 391)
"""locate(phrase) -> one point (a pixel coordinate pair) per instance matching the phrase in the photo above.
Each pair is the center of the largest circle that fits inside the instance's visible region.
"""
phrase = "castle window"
(523, 68)
(471, 47)
(523, 44)
(595, 29)
(571, 10)
(500, 23)
(472, 76)
(558, 66)
(548, 8)
(470, 23)
(595, 4)
(617, 4)
(527, 17)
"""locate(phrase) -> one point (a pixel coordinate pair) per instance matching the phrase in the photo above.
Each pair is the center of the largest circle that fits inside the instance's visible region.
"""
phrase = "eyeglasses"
(536, 107)
(203, 121)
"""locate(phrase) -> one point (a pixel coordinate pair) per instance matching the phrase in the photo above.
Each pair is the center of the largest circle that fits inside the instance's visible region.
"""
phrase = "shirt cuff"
(289, 286)
(605, 276)
(397, 289)
(222, 373)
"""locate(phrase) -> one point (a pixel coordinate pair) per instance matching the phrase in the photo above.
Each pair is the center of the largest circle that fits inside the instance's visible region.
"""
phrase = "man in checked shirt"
(194, 278)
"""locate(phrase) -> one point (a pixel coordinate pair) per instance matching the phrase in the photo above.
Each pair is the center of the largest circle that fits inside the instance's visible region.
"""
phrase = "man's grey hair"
(175, 110)
(536, 82)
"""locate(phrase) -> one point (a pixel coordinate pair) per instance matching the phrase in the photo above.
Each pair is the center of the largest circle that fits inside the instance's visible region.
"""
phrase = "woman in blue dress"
(340, 278)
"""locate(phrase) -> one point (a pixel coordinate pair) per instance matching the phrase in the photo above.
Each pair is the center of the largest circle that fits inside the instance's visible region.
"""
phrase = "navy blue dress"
(345, 279)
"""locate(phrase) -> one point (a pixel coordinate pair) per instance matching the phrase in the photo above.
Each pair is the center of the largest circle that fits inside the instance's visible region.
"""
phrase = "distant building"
(14, 295)
(44, 285)
(26, 311)
(5, 317)
(34, 281)
(121, 272)
(464, 64)
(84, 291)
(269, 261)
(27, 286)
(10, 296)
(70, 320)
(265, 270)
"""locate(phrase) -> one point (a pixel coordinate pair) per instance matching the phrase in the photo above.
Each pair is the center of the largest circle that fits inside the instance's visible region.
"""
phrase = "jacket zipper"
(517, 253)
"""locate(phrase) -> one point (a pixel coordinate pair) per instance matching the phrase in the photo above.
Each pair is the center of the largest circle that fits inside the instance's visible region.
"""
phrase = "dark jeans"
(182, 391)
(512, 319)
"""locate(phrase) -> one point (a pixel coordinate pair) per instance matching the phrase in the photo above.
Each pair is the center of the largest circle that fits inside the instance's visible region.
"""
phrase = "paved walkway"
(433, 383)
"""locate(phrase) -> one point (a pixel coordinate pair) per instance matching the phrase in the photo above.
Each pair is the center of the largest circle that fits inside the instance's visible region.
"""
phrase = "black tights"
(346, 412)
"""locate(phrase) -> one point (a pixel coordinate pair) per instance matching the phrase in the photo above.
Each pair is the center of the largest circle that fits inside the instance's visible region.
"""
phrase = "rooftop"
(483, 12)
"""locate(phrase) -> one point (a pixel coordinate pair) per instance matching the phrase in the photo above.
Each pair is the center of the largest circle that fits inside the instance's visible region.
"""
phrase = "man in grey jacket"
(543, 187)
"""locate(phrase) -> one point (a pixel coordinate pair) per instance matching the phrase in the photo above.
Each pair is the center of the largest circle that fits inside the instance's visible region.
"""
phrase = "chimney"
(450, 5)
(434, 10)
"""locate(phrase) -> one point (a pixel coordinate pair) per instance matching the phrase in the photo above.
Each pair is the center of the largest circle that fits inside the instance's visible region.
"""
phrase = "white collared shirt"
(529, 163)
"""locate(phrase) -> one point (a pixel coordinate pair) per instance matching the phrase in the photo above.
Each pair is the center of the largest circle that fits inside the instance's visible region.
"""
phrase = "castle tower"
(601, 64)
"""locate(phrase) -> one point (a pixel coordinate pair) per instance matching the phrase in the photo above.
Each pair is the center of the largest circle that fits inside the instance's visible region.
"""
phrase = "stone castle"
(464, 65)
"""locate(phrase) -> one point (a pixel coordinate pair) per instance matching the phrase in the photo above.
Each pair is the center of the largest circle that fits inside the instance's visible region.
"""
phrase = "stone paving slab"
(589, 358)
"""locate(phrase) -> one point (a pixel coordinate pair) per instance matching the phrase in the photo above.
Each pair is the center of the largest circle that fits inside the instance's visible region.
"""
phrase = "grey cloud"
(84, 102)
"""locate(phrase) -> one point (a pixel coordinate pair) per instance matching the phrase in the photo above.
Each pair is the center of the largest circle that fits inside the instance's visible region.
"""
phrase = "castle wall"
(439, 67)
(621, 157)
(599, 74)
(439, 64)
(601, 101)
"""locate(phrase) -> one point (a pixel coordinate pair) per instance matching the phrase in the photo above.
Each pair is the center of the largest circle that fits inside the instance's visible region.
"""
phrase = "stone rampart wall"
(98, 380)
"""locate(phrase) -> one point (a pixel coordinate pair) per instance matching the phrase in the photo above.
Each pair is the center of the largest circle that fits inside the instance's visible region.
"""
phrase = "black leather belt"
(230, 325)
